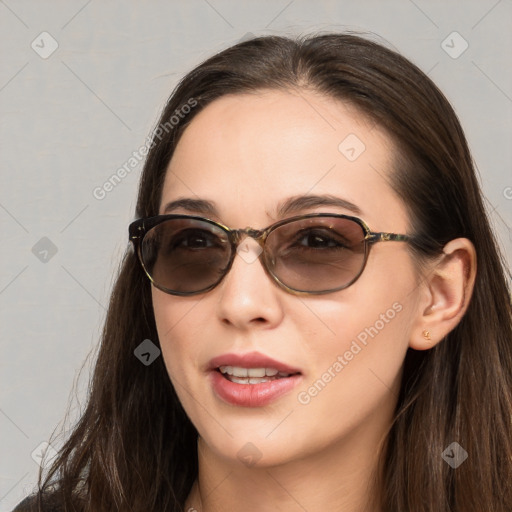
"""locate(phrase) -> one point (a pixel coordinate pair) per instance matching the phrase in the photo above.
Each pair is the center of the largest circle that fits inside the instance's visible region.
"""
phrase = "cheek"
(178, 321)
(355, 380)
(375, 306)
(358, 363)
(360, 335)
(379, 304)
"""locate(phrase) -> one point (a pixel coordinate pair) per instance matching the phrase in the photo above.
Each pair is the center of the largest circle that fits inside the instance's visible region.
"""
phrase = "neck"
(343, 476)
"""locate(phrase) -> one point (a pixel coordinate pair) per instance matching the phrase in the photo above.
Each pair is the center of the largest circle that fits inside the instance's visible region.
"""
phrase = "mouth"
(241, 375)
(251, 380)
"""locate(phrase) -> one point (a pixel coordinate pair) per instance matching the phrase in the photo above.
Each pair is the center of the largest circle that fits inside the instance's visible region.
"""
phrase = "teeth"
(238, 380)
(247, 380)
(238, 371)
(258, 381)
(255, 372)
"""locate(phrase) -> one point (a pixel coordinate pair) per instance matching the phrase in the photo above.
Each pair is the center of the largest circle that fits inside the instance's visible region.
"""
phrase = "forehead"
(249, 152)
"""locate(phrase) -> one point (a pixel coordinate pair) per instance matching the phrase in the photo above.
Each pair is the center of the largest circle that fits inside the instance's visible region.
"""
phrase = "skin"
(247, 153)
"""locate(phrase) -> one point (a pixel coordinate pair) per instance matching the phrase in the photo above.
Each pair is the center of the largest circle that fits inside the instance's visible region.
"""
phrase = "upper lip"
(250, 360)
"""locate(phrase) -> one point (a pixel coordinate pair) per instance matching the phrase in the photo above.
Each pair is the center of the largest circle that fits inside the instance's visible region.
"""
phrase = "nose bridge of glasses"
(257, 234)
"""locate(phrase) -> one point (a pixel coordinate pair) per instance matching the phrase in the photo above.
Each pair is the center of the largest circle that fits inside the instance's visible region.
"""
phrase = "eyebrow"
(292, 205)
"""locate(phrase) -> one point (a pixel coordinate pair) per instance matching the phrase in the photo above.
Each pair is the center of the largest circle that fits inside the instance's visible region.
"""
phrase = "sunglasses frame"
(139, 228)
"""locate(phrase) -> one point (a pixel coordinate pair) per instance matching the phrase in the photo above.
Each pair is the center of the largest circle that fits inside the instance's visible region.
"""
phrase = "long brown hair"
(134, 448)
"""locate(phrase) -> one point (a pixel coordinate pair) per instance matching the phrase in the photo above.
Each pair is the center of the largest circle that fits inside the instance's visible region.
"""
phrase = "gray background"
(70, 120)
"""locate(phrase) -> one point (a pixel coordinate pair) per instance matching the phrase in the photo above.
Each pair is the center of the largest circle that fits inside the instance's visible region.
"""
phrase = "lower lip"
(252, 395)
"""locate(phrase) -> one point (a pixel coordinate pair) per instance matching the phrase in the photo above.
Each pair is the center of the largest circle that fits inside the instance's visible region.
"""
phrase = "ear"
(446, 290)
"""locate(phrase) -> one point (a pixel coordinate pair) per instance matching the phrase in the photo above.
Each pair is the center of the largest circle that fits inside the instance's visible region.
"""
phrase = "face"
(247, 154)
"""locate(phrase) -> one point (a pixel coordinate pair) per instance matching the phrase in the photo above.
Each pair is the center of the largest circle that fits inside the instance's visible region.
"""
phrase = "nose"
(247, 294)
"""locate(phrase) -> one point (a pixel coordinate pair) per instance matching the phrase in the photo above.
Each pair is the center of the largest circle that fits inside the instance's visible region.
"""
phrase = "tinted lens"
(317, 254)
(185, 255)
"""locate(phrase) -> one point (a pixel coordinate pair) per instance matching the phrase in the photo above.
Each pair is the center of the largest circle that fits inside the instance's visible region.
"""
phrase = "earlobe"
(447, 288)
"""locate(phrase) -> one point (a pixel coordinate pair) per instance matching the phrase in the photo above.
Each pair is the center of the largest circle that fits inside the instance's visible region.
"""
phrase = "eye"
(319, 239)
(195, 239)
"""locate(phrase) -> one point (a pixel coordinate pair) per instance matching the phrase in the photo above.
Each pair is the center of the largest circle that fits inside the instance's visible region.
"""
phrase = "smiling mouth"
(240, 375)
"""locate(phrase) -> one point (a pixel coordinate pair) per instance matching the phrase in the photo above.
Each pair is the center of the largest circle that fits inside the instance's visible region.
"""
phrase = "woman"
(356, 355)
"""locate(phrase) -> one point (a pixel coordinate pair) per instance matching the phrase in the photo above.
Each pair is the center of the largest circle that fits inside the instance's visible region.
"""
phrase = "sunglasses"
(310, 254)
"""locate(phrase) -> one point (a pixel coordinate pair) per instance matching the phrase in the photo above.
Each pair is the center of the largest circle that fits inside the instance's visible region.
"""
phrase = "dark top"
(29, 504)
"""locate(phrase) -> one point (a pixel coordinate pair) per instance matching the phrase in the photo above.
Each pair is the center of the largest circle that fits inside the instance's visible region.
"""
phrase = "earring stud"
(426, 335)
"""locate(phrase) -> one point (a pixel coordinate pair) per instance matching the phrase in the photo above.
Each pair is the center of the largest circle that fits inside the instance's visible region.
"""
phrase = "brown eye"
(195, 239)
(317, 239)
